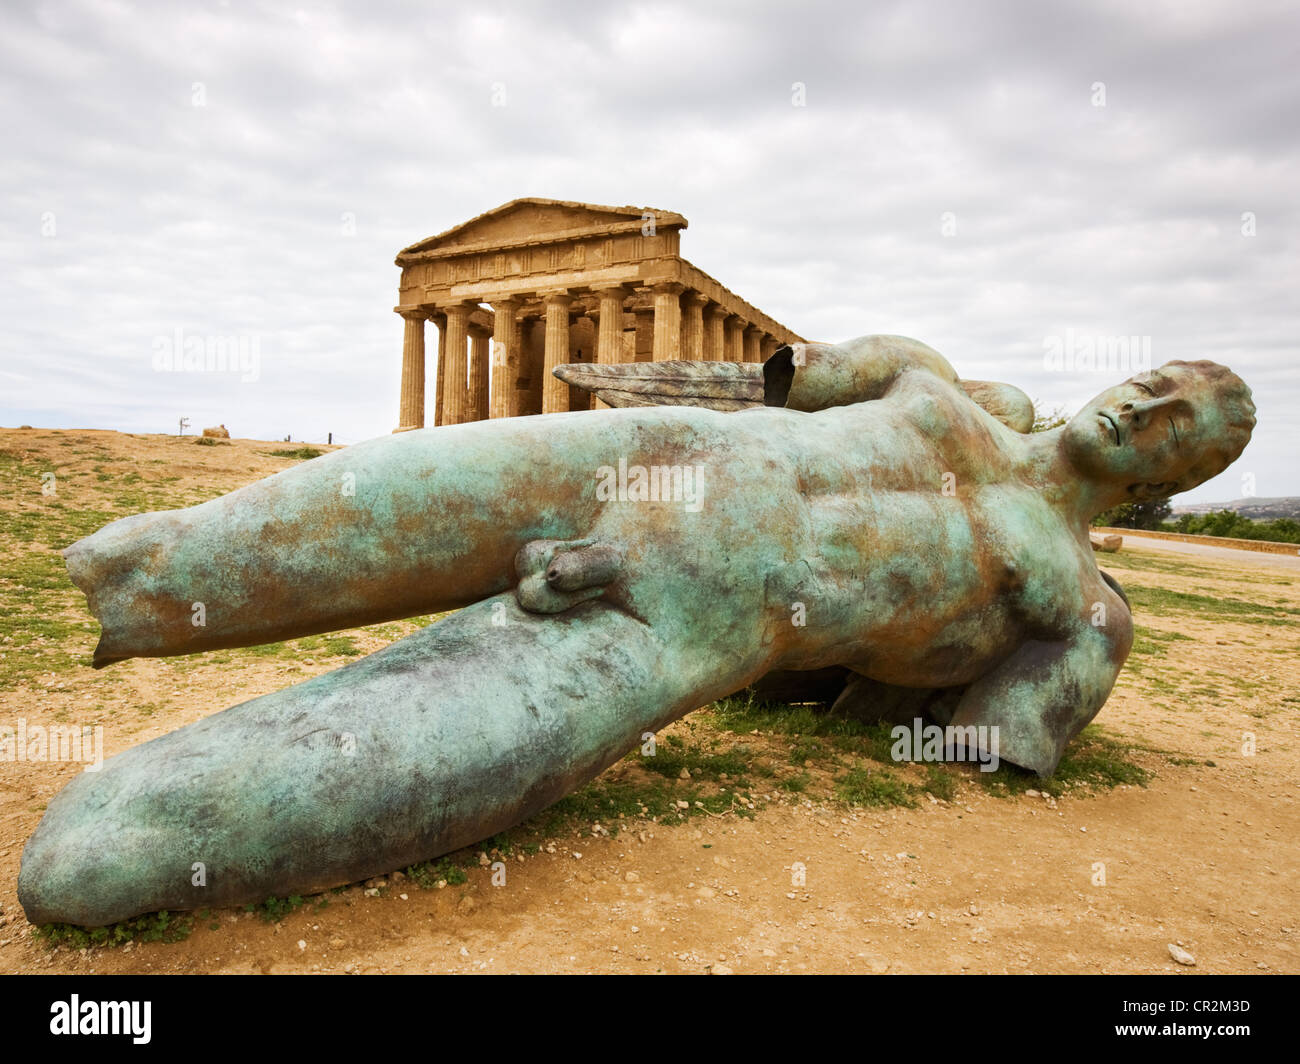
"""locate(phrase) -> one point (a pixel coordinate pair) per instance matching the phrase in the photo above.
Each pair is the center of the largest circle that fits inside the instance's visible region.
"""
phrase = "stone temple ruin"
(537, 283)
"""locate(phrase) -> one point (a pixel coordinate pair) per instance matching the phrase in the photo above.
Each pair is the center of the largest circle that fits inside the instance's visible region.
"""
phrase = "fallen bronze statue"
(852, 513)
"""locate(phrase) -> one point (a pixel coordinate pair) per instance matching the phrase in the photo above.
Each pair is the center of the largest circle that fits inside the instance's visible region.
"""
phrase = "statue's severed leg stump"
(442, 739)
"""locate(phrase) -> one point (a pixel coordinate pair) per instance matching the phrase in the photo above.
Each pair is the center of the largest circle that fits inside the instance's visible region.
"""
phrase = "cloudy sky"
(994, 178)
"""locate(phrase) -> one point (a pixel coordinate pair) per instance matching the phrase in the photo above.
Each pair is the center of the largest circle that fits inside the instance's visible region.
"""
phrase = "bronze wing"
(739, 386)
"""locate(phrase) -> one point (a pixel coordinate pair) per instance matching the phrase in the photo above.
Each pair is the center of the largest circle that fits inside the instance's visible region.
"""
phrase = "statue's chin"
(1082, 445)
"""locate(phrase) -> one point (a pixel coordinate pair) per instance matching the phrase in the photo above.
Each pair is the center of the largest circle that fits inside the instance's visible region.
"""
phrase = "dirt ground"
(988, 879)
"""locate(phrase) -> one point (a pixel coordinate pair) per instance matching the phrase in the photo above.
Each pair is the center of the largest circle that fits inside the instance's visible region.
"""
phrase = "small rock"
(632, 877)
(577, 856)
(720, 969)
(1181, 956)
(302, 943)
(1031, 794)
(685, 773)
(336, 943)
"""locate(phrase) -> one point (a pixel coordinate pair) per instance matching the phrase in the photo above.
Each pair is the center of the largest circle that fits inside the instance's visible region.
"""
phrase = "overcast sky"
(993, 178)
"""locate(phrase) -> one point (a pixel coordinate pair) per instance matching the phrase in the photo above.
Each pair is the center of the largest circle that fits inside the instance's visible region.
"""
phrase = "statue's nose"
(1138, 414)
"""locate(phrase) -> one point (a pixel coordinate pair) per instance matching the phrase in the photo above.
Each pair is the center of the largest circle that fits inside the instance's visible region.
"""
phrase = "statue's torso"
(929, 558)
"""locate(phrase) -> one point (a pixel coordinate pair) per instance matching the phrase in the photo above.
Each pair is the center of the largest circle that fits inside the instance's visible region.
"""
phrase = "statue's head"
(1161, 432)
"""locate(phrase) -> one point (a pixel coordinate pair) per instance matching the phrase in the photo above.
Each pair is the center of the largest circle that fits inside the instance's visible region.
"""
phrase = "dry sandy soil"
(971, 877)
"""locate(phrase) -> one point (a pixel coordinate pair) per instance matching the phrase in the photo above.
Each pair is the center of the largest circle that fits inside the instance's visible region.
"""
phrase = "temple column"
(753, 334)
(478, 372)
(505, 356)
(714, 335)
(609, 336)
(439, 320)
(735, 344)
(454, 377)
(693, 326)
(668, 321)
(767, 348)
(555, 392)
(411, 408)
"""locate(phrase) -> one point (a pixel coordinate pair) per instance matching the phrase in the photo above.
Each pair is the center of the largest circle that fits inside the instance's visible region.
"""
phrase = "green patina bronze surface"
(848, 507)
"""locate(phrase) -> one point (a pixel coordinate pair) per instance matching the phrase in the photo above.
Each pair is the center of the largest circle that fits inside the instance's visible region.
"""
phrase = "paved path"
(1205, 550)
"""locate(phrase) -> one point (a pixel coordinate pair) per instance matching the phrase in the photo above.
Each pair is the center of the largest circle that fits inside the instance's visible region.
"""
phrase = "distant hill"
(1257, 509)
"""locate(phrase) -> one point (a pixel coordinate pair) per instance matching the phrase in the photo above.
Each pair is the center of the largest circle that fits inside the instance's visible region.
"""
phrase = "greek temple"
(536, 283)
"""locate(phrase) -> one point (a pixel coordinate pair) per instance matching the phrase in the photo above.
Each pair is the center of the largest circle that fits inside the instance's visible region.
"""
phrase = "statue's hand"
(813, 377)
(556, 575)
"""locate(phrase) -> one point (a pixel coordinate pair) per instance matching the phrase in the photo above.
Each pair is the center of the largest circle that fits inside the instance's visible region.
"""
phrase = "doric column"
(753, 334)
(735, 344)
(411, 409)
(479, 348)
(505, 356)
(454, 378)
(668, 321)
(555, 393)
(439, 320)
(767, 347)
(693, 325)
(714, 336)
(609, 336)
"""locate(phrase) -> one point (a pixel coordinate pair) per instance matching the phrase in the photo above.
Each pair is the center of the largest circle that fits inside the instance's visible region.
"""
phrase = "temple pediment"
(536, 221)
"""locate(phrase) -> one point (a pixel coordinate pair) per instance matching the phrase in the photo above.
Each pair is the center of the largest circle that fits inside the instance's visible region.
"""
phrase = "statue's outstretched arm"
(802, 376)
(1042, 696)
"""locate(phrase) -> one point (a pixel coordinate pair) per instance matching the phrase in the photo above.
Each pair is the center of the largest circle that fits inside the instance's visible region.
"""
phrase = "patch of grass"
(300, 453)
(1162, 602)
(342, 645)
(940, 782)
(675, 754)
(273, 910)
(601, 801)
(746, 714)
(153, 927)
(1092, 762)
(876, 787)
(806, 750)
(1151, 641)
(426, 874)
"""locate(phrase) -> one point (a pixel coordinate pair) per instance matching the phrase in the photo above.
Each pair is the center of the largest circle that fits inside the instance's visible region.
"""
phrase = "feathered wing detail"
(739, 386)
(713, 385)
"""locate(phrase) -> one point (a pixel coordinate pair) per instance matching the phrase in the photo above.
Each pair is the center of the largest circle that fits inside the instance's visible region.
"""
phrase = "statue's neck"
(1077, 497)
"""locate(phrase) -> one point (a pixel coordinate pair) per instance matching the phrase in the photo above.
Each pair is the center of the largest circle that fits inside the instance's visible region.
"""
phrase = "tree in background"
(1230, 523)
(1048, 419)
(1150, 515)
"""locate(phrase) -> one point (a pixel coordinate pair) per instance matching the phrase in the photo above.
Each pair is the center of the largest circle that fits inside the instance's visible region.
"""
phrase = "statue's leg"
(442, 739)
(395, 527)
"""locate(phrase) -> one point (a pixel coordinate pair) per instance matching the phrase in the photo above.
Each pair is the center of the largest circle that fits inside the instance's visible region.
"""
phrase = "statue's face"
(1148, 431)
